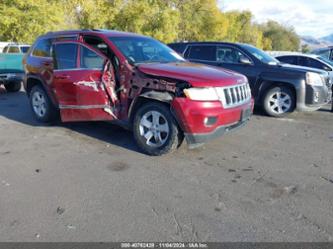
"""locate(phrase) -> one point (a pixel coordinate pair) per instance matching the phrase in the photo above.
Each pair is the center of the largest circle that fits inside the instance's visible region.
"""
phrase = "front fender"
(165, 97)
(266, 81)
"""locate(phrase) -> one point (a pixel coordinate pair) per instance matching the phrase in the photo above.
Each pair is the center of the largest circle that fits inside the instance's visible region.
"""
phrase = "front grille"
(233, 96)
(329, 82)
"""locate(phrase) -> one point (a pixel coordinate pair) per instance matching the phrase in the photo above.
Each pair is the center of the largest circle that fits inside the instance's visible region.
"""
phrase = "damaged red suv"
(135, 81)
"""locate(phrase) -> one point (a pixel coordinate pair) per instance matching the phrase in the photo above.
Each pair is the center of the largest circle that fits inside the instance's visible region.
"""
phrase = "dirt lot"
(270, 181)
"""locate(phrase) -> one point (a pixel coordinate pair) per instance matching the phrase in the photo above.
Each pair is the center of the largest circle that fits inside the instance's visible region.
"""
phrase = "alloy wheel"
(154, 128)
(39, 104)
(280, 102)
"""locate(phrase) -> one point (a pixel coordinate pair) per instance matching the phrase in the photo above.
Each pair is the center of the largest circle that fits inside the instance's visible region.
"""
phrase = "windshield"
(326, 60)
(145, 50)
(261, 55)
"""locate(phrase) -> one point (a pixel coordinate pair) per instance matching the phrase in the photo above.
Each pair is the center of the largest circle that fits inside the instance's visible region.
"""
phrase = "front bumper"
(314, 97)
(7, 78)
(197, 139)
(202, 121)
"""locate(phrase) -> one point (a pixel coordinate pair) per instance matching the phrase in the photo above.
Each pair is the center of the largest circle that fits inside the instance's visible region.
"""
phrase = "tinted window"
(309, 62)
(229, 55)
(24, 49)
(65, 56)
(42, 48)
(13, 49)
(288, 59)
(98, 44)
(178, 47)
(91, 60)
(66, 38)
(5, 49)
(206, 53)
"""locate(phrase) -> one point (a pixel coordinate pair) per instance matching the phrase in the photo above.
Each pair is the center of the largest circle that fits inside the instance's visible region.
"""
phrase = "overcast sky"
(308, 17)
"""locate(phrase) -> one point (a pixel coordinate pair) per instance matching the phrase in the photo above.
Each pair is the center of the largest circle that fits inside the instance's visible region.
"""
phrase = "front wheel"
(13, 86)
(41, 106)
(155, 130)
(279, 101)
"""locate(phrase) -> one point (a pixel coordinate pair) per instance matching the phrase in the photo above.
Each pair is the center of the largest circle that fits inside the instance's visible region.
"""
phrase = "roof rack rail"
(69, 30)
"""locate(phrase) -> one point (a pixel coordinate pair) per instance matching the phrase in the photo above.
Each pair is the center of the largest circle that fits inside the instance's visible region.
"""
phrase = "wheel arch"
(148, 96)
(267, 85)
(32, 81)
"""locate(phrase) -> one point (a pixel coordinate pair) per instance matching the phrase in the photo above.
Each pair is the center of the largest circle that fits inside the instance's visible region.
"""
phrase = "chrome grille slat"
(242, 92)
(233, 96)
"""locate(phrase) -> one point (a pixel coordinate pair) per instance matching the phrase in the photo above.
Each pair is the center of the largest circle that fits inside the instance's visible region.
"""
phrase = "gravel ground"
(270, 181)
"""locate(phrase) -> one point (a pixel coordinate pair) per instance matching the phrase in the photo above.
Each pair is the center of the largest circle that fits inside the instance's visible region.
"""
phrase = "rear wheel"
(41, 106)
(279, 101)
(13, 86)
(155, 130)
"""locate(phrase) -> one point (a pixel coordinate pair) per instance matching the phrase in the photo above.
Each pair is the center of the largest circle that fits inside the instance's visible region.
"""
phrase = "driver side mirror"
(244, 60)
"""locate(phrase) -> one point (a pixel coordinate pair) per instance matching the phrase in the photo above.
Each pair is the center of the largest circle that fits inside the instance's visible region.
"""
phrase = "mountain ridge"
(314, 43)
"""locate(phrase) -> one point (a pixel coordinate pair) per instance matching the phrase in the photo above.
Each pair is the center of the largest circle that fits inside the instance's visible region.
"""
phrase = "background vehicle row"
(278, 89)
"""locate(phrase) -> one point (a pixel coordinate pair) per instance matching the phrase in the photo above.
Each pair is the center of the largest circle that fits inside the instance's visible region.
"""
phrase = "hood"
(295, 68)
(198, 75)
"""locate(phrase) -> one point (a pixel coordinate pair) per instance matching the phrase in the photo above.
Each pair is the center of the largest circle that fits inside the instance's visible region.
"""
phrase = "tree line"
(165, 20)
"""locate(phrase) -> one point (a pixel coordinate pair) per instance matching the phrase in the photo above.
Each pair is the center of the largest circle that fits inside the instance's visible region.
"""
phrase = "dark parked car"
(307, 60)
(324, 52)
(278, 88)
(135, 81)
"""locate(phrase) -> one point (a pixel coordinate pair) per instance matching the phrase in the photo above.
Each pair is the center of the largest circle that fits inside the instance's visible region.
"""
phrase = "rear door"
(83, 83)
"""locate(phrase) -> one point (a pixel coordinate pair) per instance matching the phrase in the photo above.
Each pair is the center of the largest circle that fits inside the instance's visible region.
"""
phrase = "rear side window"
(90, 60)
(24, 49)
(42, 48)
(13, 49)
(288, 59)
(205, 53)
(65, 56)
(309, 62)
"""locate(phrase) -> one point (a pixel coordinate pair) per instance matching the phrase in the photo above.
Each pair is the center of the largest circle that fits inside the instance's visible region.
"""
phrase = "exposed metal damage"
(92, 84)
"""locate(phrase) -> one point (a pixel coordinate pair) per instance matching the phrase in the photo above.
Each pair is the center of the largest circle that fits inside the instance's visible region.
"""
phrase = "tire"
(13, 86)
(41, 106)
(279, 101)
(155, 130)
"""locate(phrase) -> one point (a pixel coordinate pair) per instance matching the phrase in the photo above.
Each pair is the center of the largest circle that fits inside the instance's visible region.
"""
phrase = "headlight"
(201, 94)
(314, 79)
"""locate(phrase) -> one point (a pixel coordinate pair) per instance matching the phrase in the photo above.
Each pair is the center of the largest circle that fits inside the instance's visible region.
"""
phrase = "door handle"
(62, 77)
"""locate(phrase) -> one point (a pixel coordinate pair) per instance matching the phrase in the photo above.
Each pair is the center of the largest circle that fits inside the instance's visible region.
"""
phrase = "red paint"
(191, 114)
(87, 88)
(198, 75)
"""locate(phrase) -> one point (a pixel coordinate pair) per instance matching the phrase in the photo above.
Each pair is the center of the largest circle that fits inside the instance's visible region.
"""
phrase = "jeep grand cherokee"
(90, 75)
